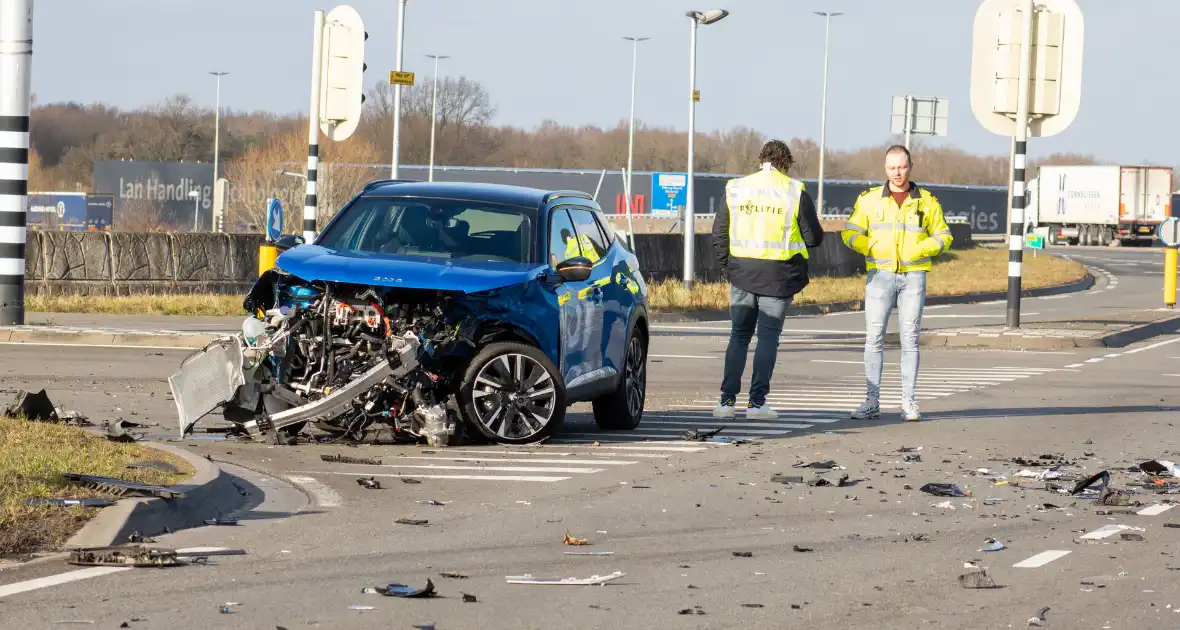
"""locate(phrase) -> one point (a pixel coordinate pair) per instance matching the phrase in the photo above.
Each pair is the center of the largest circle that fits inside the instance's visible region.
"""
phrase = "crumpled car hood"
(313, 262)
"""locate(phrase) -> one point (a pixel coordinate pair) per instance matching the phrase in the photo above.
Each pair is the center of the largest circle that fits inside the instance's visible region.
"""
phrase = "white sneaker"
(725, 410)
(867, 410)
(909, 411)
(761, 413)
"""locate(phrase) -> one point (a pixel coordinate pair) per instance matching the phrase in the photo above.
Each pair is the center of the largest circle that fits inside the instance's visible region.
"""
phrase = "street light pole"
(397, 89)
(433, 114)
(631, 132)
(216, 137)
(698, 18)
(823, 116)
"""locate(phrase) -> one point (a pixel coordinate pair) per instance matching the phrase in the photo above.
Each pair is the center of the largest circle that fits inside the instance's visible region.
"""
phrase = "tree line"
(67, 138)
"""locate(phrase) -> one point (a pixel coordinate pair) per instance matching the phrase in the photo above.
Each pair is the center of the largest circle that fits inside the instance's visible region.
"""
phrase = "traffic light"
(342, 72)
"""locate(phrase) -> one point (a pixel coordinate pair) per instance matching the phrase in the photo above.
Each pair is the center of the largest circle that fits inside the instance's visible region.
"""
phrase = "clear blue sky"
(564, 60)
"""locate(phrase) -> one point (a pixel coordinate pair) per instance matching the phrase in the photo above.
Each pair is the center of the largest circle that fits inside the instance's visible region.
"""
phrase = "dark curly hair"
(778, 154)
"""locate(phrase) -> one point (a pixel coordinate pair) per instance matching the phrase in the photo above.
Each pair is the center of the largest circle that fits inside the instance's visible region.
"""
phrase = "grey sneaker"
(867, 410)
(909, 411)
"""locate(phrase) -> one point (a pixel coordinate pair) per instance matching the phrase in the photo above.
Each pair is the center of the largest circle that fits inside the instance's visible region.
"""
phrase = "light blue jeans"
(883, 291)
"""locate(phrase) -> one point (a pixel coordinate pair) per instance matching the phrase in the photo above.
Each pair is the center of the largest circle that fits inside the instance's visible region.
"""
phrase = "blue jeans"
(883, 291)
(750, 313)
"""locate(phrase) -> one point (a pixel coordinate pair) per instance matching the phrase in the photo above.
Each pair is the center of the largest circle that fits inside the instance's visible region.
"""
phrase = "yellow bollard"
(1170, 257)
(266, 258)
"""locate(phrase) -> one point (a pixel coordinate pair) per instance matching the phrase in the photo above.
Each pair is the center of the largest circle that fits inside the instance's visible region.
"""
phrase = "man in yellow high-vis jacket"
(761, 243)
(899, 228)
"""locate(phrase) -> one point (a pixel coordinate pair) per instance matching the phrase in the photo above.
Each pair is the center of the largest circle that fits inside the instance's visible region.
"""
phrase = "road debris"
(801, 549)
(977, 577)
(826, 465)
(1132, 537)
(944, 490)
(412, 521)
(221, 521)
(787, 479)
(991, 544)
(1107, 531)
(696, 435)
(410, 480)
(370, 483)
(752, 606)
(695, 610)
(432, 502)
(1039, 618)
(344, 459)
(592, 580)
(1160, 468)
(117, 431)
(1100, 480)
(121, 487)
(91, 502)
(132, 555)
(917, 457)
(453, 575)
(589, 553)
(401, 590)
(32, 406)
(743, 554)
(468, 598)
(571, 540)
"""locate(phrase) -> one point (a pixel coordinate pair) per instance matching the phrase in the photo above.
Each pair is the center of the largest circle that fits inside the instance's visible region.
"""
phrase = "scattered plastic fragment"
(1107, 531)
(85, 502)
(913, 458)
(1039, 618)
(752, 606)
(1114, 498)
(743, 554)
(1159, 467)
(344, 459)
(944, 490)
(1172, 525)
(401, 590)
(410, 480)
(469, 598)
(1101, 480)
(412, 521)
(370, 483)
(826, 465)
(992, 545)
(571, 540)
(696, 435)
(594, 579)
(976, 579)
(121, 487)
(453, 575)
(123, 556)
(32, 407)
(356, 607)
(781, 478)
(432, 502)
(801, 549)
(695, 610)
(1132, 537)
(221, 521)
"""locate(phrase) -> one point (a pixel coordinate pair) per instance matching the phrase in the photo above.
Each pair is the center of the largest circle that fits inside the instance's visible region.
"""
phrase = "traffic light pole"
(1019, 160)
(310, 203)
(16, 56)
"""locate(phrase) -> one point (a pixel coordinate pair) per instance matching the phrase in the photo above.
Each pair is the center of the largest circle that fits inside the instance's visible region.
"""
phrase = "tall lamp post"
(397, 89)
(433, 113)
(216, 135)
(631, 132)
(698, 18)
(823, 116)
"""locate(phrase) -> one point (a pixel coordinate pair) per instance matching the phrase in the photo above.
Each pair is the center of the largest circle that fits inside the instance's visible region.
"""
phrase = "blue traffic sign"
(1169, 232)
(667, 192)
(274, 220)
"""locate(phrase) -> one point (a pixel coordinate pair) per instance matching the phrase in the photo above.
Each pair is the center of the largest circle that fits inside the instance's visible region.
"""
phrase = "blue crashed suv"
(430, 310)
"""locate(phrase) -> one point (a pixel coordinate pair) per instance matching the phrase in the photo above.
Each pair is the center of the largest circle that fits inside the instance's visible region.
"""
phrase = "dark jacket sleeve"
(812, 231)
(721, 237)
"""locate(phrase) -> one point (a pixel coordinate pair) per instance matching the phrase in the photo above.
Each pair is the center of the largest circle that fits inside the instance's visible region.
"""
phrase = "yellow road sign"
(696, 95)
(401, 78)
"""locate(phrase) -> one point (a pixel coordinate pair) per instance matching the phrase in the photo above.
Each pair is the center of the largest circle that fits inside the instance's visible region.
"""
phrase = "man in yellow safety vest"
(761, 243)
(899, 228)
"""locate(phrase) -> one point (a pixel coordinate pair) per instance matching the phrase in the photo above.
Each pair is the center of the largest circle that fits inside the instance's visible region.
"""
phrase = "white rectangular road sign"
(928, 115)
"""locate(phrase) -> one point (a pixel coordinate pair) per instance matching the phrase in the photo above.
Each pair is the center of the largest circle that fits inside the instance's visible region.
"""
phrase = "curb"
(1083, 284)
(34, 335)
(207, 493)
(1117, 339)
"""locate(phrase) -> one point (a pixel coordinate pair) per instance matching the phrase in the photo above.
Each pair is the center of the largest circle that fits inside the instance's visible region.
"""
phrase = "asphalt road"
(882, 554)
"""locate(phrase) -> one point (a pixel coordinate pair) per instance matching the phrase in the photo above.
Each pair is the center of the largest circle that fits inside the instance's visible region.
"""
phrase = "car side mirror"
(575, 269)
(288, 241)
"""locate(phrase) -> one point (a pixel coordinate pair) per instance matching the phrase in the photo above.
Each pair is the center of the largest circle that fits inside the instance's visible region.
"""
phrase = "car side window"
(605, 226)
(563, 242)
(589, 234)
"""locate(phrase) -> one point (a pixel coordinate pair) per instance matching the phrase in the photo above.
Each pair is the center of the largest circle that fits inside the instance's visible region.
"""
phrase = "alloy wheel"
(514, 396)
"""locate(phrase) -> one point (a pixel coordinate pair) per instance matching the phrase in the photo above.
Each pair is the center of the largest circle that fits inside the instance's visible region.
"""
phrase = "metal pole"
(397, 89)
(1015, 229)
(1170, 260)
(823, 117)
(689, 216)
(310, 203)
(908, 121)
(631, 131)
(16, 56)
(630, 223)
(433, 114)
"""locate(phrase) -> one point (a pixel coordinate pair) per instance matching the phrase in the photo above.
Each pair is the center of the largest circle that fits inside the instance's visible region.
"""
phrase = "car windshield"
(440, 228)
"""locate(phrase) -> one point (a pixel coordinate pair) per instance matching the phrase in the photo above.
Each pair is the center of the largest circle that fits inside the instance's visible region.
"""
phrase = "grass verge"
(32, 457)
(969, 271)
(975, 270)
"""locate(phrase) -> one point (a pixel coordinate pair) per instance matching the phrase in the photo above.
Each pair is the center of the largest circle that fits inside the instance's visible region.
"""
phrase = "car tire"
(522, 372)
(622, 409)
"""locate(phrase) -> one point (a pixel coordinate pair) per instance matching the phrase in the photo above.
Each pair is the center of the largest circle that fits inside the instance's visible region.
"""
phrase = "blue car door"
(574, 300)
(593, 245)
(619, 298)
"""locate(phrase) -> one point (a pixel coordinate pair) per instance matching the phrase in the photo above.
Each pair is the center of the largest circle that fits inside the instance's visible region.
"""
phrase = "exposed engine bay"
(360, 363)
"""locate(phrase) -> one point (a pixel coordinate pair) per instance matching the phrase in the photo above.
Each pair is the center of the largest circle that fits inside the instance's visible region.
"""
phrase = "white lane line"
(1155, 510)
(1153, 346)
(1105, 531)
(1095, 360)
(321, 494)
(593, 462)
(847, 362)
(789, 415)
(1075, 365)
(55, 580)
(514, 469)
(683, 356)
(740, 425)
(548, 453)
(682, 427)
(462, 477)
(632, 437)
(1169, 374)
(982, 316)
(669, 448)
(1041, 559)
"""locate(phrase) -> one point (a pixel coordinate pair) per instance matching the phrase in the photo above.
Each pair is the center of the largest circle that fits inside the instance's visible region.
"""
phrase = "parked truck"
(1099, 205)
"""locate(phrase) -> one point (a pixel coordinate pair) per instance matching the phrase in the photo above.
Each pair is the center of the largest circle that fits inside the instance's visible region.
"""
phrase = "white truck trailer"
(1099, 205)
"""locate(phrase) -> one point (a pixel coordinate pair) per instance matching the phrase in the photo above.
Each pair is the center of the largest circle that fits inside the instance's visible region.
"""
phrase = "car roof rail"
(382, 182)
(566, 193)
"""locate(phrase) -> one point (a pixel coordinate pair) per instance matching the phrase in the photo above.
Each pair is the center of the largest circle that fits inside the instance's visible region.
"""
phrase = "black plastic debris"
(411, 521)
(1114, 498)
(944, 490)
(221, 521)
(1154, 467)
(155, 464)
(752, 606)
(87, 502)
(695, 610)
(401, 590)
(824, 482)
(801, 549)
(1039, 618)
(1132, 537)
(1172, 525)
(432, 502)
(32, 406)
(136, 537)
(1096, 482)
(123, 556)
(344, 459)
(122, 487)
(781, 478)
(117, 431)
(913, 458)
(468, 598)
(976, 579)
(696, 435)
(827, 465)
(743, 554)
(453, 575)
(410, 480)
(370, 483)
(908, 449)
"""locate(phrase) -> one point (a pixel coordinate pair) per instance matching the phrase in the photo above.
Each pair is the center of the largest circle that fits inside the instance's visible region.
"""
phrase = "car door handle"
(596, 294)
